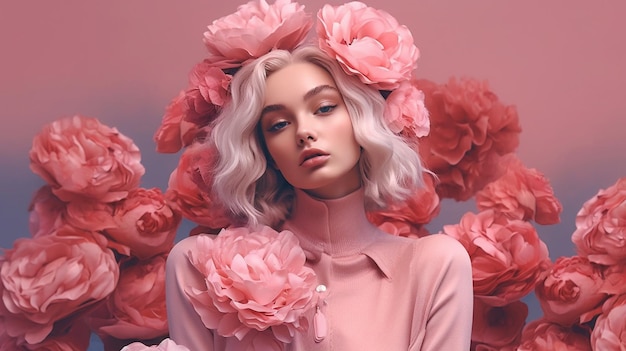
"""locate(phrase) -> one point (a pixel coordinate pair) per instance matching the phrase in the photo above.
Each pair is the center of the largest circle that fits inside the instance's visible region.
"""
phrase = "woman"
(303, 147)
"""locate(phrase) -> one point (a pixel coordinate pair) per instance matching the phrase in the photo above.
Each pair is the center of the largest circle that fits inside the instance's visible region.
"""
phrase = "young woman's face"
(308, 132)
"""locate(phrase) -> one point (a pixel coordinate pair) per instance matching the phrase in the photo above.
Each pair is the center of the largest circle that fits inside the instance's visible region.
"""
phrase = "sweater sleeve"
(185, 326)
(449, 320)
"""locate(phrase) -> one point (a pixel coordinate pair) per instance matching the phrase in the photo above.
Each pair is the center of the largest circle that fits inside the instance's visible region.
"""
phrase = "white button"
(320, 288)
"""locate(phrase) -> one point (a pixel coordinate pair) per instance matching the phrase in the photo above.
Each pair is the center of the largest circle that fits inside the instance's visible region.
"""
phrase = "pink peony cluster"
(255, 281)
(473, 131)
(166, 345)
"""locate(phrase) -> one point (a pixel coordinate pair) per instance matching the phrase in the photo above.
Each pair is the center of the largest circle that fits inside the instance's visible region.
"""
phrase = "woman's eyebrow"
(318, 89)
(271, 108)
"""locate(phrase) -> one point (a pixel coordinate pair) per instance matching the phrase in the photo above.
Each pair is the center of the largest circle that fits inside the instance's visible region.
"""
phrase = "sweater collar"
(337, 227)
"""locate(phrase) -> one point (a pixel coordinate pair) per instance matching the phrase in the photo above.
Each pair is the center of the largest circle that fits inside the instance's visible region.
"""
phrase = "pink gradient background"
(560, 62)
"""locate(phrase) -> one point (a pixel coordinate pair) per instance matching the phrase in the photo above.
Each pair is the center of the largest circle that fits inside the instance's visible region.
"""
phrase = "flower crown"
(367, 43)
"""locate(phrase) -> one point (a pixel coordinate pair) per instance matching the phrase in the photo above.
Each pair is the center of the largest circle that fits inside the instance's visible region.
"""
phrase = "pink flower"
(48, 278)
(165, 345)
(498, 327)
(64, 337)
(89, 215)
(405, 112)
(541, 335)
(508, 257)
(609, 332)
(601, 226)
(254, 30)
(81, 158)
(571, 292)
(136, 309)
(145, 223)
(46, 212)
(368, 43)
(190, 188)
(470, 129)
(521, 193)
(413, 213)
(255, 280)
(188, 115)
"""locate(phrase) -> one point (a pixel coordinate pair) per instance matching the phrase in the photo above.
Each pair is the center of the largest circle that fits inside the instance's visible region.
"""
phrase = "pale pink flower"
(145, 223)
(255, 280)
(521, 193)
(136, 309)
(165, 345)
(64, 337)
(498, 327)
(368, 43)
(190, 188)
(542, 335)
(508, 257)
(571, 292)
(79, 157)
(45, 212)
(415, 212)
(405, 112)
(609, 332)
(48, 278)
(600, 233)
(188, 115)
(470, 130)
(254, 30)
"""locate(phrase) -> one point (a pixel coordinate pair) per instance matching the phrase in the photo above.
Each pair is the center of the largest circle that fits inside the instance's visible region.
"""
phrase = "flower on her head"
(405, 112)
(79, 158)
(368, 43)
(254, 30)
(254, 280)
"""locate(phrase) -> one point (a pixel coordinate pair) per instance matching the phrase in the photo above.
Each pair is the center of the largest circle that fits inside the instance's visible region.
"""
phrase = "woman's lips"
(315, 161)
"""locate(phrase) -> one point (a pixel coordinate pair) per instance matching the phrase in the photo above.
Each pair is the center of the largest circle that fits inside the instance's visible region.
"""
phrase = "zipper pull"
(320, 324)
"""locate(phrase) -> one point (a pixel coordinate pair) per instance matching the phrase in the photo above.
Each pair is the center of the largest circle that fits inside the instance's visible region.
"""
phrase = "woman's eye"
(277, 126)
(326, 109)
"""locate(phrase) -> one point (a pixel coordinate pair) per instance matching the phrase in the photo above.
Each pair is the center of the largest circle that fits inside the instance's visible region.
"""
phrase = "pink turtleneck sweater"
(382, 292)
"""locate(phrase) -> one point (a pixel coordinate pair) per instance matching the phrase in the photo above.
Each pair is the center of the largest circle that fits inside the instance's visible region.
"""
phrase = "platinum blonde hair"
(257, 194)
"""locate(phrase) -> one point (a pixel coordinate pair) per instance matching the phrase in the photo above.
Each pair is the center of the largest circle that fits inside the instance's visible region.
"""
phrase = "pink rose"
(405, 112)
(609, 332)
(470, 129)
(45, 212)
(521, 193)
(81, 158)
(368, 43)
(508, 257)
(255, 280)
(541, 335)
(415, 212)
(165, 345)
(571, 292)
(136, 309)
(48, 278)
(600, 233)
(498, 327)
(175, 131)
(254, 30)
(190, 188)
(64, 337)
(145, 223)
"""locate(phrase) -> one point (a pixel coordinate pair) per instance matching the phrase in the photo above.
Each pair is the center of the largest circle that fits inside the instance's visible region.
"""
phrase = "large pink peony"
(254, 30)
(81, 158)
(190, 188)
(470, 130)
(368, 43)
(64, 337)
(408, 218)
(571, 292)
(145, 223)
(521, 193)
(542, 335)
(45, 212)
(136, 309)
(48, 278)
(165, 345)
(188, 115)
(405, 112)
(601, 226)
(255, 280)
(609, 333)
(498, 327)
(508, 257)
